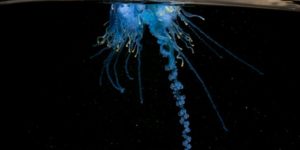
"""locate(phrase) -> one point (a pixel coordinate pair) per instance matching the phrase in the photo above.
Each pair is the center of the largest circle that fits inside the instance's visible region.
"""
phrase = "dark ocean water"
(47, 48)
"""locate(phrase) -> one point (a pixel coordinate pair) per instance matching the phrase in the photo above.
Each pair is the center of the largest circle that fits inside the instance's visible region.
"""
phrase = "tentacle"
(126, 67)
(107, 69)
(190, 15)
(139, 76)
(120, 88)
(205, 89)
(176, 87)
(219, 45)
(100, 52)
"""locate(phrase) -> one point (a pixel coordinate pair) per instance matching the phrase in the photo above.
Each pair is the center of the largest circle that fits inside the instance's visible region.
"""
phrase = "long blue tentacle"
(140, 77)
(99, 52)
(167, 49)
(176, 87)
(126, 67)
(115, 70)
(203, 34)
(205, 90)
(107, 63)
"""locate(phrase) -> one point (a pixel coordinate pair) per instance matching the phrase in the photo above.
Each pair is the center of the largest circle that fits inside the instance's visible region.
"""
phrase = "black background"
(46, 49)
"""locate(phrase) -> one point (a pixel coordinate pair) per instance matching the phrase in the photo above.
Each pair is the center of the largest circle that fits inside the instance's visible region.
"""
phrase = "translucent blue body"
(125, 31)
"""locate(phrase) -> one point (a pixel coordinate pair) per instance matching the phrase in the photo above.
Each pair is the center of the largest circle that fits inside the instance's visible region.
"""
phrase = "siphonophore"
(125, 31)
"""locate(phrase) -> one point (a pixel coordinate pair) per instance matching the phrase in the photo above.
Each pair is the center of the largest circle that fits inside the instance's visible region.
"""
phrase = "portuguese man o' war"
(125, 31)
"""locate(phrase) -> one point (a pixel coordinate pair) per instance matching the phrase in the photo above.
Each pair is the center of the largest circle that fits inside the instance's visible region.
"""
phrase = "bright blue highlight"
(125, 31)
